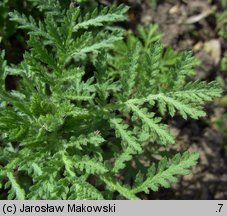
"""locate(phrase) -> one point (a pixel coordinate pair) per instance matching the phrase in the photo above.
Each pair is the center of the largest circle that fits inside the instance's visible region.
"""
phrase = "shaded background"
(198, 25)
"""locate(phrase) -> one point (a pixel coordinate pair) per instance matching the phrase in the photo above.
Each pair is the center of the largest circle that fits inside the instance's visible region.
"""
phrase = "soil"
(191, 25)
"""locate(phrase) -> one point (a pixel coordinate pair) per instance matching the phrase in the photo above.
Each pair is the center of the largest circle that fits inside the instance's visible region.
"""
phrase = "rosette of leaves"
(87, 120)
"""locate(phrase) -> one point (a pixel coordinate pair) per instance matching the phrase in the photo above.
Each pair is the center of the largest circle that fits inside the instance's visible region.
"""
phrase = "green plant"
(222, 30)
(153, 3)
(7, 28)
(224, 4)
(87, 119)
(8, 38)
(222, 24)
(222, 20)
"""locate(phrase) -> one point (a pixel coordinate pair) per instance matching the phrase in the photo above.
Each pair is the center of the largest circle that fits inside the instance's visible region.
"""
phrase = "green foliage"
(7, 28)
(91, 106)
(222, 30)
(222, 24)
(221, 123)
(153, 3)
(224, 4)
(165, 172)
(221, 18)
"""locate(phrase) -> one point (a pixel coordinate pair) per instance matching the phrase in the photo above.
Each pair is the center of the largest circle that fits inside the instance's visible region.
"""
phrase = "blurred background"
(197, 25)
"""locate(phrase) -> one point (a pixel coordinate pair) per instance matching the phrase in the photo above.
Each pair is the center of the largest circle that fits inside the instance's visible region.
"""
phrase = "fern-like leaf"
(151, 125)
(166, 172)
(106, 15)
(16, 190)
(128, 140)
